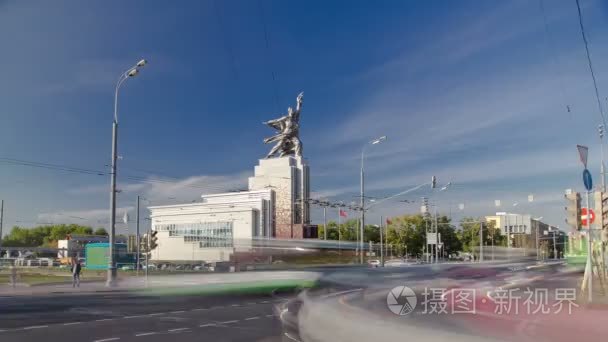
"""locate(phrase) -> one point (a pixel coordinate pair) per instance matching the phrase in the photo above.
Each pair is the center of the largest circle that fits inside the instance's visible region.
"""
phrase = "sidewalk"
(178, 284)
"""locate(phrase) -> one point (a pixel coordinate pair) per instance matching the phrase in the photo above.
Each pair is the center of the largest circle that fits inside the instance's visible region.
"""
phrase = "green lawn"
(35, 279)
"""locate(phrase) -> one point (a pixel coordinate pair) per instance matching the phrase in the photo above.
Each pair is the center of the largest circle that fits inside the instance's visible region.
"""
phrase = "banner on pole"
(583, 151)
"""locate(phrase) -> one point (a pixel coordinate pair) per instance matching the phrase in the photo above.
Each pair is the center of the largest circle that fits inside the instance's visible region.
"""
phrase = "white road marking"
(251, 303)
(156, 314)
(72, 323)
(291, 337)
(252, 318)
(207, 325)
(333, 294)
(269, 315)
(229, 322)
(265, 302)
(177, 329)
(200, 309)
(104, 319)
(1, 330)
(176, 312)
(108, 339)
(135, 316)
(235, 305)
(36, 327)
(145, 334)
(216, 307)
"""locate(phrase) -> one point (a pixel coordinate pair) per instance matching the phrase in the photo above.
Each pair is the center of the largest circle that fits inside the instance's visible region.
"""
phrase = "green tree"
(100, 231)
(406, 233)
(47, 235)
(469, 234)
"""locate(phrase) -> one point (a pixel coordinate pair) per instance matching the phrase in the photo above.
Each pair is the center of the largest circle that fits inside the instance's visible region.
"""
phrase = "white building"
(207, 231)
(512, 223)
(276, 205)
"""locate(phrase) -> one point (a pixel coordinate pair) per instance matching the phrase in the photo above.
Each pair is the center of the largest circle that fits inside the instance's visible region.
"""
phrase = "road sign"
(584, 216)
(587, 180)
(583, 151)
(431, 238)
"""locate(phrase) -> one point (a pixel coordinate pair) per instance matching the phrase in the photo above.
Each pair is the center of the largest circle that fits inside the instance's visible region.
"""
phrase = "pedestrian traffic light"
(153, 240)
(573, 209)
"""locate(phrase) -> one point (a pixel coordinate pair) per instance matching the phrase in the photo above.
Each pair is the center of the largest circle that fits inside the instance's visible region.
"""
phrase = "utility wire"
(597, 94)
(149, 180)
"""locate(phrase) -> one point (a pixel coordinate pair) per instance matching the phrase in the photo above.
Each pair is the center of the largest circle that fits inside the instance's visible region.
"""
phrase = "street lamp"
(131, 72)
(373, 142)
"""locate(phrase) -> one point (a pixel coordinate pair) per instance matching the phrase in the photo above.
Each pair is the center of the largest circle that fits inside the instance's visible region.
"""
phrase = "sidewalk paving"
(183, 283)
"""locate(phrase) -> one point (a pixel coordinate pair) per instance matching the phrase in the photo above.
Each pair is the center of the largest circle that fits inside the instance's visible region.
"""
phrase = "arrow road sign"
(587, 180)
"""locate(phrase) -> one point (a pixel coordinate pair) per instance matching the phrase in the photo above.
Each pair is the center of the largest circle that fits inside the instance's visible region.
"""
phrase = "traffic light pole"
(147, 255)
(589, 251)
(137, 239)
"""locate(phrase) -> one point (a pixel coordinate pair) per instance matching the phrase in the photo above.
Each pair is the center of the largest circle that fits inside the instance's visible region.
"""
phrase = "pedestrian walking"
(76, 268)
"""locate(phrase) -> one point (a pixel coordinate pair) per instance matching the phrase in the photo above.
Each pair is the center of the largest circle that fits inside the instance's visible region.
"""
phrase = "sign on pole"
(530, 198)
(583, 151)
(587, 180)
(584, 216)
(497, 203)
(431, 238)
(461, 206)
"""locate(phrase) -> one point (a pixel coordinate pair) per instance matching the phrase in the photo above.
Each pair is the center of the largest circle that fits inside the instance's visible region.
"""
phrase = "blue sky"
(474, 92)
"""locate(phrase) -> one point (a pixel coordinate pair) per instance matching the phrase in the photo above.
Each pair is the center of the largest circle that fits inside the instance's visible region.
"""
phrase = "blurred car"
(127, 268)
(288, 315)
(374, 263)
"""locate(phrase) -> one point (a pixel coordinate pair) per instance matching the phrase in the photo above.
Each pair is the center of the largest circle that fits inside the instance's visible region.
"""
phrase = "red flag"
(343, 213)
(388, 221)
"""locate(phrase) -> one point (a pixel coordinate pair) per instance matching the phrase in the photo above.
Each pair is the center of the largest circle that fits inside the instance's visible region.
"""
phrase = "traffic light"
(601, 213)
(573, 209)
(433, 182)
(153, 240)
(143, 244)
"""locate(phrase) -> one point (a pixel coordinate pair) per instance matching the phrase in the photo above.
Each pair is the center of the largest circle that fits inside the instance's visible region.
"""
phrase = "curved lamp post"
(131, 72)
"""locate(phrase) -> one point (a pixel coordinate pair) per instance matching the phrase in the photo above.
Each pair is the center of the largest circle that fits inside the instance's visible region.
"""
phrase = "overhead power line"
(148, 179)
(597, 94)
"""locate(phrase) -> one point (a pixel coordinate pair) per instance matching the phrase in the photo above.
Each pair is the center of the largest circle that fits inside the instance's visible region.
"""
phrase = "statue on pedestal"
(288, 132)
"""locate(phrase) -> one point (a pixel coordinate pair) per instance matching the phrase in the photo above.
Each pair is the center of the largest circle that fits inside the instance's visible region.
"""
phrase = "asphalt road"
(360, 312)
(131, 317)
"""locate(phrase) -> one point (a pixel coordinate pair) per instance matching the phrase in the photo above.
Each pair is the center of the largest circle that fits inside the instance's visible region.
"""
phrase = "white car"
(374, 263)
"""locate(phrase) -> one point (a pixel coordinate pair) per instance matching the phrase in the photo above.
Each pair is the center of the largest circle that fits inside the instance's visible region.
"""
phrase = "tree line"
(406, 233)
(47, 235)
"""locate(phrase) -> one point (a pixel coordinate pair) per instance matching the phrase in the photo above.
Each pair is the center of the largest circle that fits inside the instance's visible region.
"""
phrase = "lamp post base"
(111, 280)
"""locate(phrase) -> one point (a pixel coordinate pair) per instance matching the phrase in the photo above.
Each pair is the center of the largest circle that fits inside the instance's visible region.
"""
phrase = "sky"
(490, 96)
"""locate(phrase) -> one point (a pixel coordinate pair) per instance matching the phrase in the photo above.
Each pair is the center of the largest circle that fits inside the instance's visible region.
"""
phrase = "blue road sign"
(587, 180)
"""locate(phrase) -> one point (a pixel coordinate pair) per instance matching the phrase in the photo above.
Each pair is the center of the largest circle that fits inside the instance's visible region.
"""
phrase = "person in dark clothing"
(76, 268)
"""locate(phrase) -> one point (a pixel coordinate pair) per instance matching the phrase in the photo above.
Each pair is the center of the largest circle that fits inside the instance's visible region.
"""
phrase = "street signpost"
(587, 215)
(583, 152)
(587, 180)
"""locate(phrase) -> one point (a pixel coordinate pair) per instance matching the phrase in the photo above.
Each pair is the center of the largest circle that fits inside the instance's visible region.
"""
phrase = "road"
(126, 316)
(351, 298)
(360, 311)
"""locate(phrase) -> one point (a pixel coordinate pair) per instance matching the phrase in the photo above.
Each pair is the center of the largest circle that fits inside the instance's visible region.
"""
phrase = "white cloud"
(94, 217)
(159, 190)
